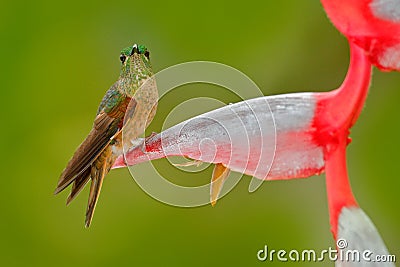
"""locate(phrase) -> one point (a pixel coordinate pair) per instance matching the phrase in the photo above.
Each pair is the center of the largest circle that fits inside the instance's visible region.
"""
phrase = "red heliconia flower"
(311, 137)
(311, 129)
(374, 25)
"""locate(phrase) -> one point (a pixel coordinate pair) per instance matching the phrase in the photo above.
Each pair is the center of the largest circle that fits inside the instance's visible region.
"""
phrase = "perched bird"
(93, 159)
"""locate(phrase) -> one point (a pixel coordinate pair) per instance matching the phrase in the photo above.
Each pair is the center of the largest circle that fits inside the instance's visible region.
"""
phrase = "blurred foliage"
(59, 57)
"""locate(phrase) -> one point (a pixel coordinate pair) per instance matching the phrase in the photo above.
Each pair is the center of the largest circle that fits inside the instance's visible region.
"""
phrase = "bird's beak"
(135, 49)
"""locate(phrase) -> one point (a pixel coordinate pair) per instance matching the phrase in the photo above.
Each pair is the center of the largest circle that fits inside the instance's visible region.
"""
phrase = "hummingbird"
(126, 108)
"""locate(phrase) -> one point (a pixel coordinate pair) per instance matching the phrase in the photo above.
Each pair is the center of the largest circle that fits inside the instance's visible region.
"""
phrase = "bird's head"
(135, 66)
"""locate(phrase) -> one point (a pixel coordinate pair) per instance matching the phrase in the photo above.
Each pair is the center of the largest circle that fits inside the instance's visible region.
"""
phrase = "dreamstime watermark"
(242, 135)
(340, 253)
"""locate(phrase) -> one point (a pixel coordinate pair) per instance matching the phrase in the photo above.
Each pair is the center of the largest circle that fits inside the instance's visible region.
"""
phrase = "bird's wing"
(106, 126)
(98, 138)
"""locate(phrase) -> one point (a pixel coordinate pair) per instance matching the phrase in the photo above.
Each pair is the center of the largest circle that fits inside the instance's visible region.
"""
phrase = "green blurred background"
(59, 57)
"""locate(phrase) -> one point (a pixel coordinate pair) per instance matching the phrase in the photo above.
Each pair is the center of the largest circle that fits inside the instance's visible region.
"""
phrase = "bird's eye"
(122, 58)
(147, 54)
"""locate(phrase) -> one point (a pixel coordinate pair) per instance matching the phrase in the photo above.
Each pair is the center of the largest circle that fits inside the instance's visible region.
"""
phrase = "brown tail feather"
(79, 183)
(98, 170)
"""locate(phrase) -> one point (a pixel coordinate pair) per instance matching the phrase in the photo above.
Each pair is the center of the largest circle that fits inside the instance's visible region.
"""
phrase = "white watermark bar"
(332, 254)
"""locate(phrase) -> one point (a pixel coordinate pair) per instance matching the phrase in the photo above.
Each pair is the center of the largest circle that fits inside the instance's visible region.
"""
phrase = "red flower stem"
(351, 95)
(336, 112)
(337, 185)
